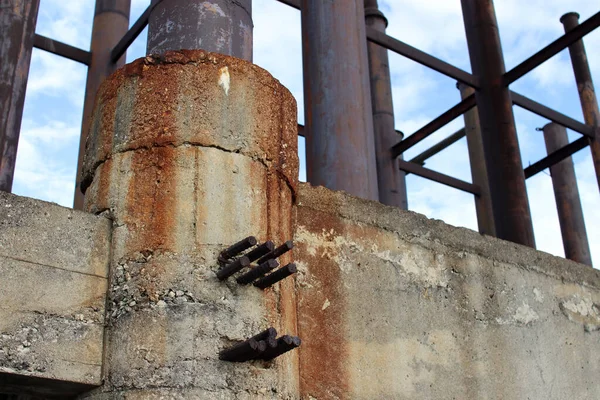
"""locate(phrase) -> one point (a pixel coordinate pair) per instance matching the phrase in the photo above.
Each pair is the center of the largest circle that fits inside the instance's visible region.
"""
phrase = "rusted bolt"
(257, 272)
(232, 268)
(238, 247)
(260, 251)
(281, 250)
(276, 276)
(284, 344)
(266, 334)
(244, 351)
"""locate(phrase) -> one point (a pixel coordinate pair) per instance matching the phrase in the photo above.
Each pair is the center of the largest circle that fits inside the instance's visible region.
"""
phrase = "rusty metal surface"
(512, 217)
(585, 87)
(17, 30)
(340, 147)
(552, 49)
(136, 29)
(221, 26)
(439, 122)
(568, 204)
(111, 20)
(390, 179)
(479, 176)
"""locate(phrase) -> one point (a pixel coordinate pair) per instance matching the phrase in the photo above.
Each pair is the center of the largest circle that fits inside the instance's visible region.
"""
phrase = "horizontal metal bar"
(551, 114)
(552, 49)
(439, 122)
(291, 3)
(132, 33)
(441, 145)
(301, 131)
(421, 57)
(62, 49)
(435, 176)
(556, 157)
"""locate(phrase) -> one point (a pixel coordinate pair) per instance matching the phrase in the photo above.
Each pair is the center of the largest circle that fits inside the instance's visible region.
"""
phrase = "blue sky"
(50, 131)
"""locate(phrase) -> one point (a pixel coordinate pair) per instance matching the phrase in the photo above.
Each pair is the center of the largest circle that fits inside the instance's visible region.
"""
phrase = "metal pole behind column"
(570, 214)
(483, 202)
(512, 217)
(111, 21)
(585, 87)
(340, 146)
(390, 179)
(17, 29)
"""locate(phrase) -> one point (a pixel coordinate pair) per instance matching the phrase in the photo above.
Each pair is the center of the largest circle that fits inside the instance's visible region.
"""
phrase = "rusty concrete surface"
(392, 305)
(188, 153)
(54, 265)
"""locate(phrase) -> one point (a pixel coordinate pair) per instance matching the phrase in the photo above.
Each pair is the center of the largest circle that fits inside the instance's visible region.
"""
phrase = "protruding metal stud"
(284, 344)
(276, 276)
(263, 346)
(281, 250)
(257, 272)
(260, 251)
(241, 352)
(232, 268)
(238, 247)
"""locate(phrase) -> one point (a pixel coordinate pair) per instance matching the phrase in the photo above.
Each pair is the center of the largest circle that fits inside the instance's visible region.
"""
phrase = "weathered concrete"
(392, 305)
(54, 265)
(189, 153)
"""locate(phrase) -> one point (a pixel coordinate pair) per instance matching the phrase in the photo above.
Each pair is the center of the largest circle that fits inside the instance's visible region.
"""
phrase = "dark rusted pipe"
(276, 276)
(238, 247)
(483, 203)
(111, 21)
(284, 344)
(233, 268)
(512, 218)
(570, 214)
(340, 147)
(257, 272)
(260, 251)
(585, 87)
(221, 26)
(278, 252)
(17, 31)
(390, 179)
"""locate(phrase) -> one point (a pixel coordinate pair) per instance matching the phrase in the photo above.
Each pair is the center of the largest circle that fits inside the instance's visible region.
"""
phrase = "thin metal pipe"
(17, 30)
(555, 157)
(436, 148)
(479, 175)
(568, 204)
(439, 177)
(390, 179)
(62, 49)
(111, 21)
(133, 32)
(340, 146)
(511, 214)
(585, 87)
(221, 26)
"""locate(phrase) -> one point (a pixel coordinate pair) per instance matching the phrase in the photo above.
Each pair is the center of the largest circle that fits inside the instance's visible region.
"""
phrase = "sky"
(48, 146)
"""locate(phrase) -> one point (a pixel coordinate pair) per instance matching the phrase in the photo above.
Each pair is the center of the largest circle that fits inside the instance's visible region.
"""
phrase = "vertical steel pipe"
(17, 30)
(221, 26)
(585, 87)
(512, 217)
(483, 202)
(570, 214)
(340, 147)
(111, 21)
(390, 179)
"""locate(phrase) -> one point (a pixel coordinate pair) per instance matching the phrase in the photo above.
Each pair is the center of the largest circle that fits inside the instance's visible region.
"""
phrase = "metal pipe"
(483, 202)
(556, 157)
(570, 214)
(17, 30)
(221, 26)
(340, 146)
(511, 214)
(111, 21)
(585, 87)
(390, 179)
(422, 157)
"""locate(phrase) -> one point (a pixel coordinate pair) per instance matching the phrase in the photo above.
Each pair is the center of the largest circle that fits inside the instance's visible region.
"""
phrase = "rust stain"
(323, 356)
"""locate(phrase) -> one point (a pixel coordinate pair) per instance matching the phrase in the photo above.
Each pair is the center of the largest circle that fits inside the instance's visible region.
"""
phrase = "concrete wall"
(392, 305)
(53, 281)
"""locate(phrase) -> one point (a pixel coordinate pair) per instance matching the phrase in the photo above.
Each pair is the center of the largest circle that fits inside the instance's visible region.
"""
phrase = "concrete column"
(512, 217)
(340, 145)
(483, 202)
(570, 214)
(189, 153)
(222, 26)
(390, 179)
(585, 87)
(17, 29)
(111, 22)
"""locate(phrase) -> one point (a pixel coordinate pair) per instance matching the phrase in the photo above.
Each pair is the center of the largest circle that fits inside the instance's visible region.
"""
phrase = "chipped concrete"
(392, 305)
